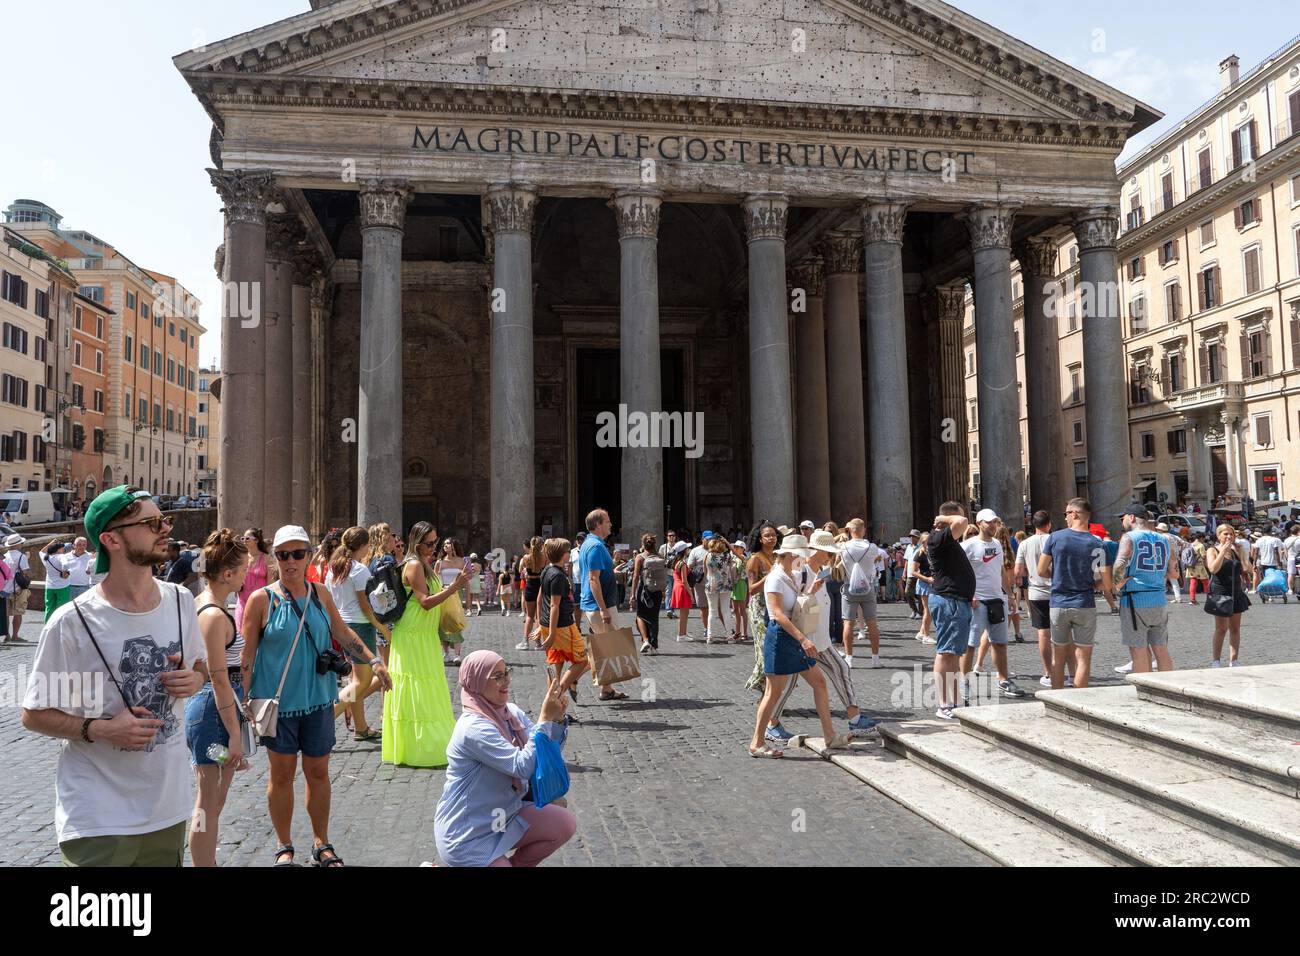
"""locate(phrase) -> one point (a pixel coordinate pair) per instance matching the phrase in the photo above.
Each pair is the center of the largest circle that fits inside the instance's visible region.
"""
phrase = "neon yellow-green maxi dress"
(418, 720)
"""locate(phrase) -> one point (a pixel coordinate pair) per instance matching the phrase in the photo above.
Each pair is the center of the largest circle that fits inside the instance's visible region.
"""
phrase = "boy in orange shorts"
(558, 627)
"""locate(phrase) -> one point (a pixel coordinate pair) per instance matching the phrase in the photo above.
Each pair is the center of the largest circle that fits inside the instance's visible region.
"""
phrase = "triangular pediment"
(912, 56)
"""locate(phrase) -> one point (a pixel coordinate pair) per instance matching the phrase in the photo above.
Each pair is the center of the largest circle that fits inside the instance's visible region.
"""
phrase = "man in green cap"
(109, 676)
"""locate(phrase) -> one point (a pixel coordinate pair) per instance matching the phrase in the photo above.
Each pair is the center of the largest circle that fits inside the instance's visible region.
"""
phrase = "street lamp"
(152, 430)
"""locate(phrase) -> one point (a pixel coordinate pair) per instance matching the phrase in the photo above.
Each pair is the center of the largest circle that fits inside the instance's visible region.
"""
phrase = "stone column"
(277, 485)
(889, 405)
(770, 414)
(322, 295)
(243, 347)
(952, 391)
(1232, 451)
(637, 212)
(379, 411)
(1043, 376)
(812, 449)
(998, 383)
(305, 273)
(842, 254)
(1195, 453)
(1110, 480)
(513, 463)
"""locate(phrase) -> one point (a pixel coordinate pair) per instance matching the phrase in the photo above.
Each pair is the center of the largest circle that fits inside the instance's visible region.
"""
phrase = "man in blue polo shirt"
(1145, 561)
(596, 577)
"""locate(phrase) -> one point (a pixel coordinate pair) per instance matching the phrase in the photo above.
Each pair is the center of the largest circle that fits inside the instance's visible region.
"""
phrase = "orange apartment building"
(150, 355)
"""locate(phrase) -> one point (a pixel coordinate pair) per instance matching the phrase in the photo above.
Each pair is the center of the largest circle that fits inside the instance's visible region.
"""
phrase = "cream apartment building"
(25, 311)
(1210, 289)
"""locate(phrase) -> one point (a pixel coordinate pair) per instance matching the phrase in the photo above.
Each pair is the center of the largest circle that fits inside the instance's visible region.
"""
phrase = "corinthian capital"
(1097, 228)
(952, 302)
(808, 274)
(882, 220)
(842, 253)
(990, 225)
(383, 203)
(637, 213)
(513, 206)
(244, 194)
(1037, 257)
(765, 215)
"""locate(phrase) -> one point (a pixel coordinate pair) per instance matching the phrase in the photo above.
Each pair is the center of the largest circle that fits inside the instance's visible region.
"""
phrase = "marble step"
(1262, 697)
(1257, 757)
(1124, 830)
(1253, 818)
(1006, 837)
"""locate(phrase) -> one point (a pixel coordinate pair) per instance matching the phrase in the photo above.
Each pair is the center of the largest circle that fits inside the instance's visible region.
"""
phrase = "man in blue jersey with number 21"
(1145, 561)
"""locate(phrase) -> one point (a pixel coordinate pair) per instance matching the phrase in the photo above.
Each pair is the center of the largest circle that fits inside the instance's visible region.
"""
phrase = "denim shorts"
(367, 634)
(951, 618)
(979, 623)
(311, 734)
(203, 726)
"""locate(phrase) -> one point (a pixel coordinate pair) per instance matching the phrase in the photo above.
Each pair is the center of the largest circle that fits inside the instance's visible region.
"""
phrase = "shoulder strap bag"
(264, 713)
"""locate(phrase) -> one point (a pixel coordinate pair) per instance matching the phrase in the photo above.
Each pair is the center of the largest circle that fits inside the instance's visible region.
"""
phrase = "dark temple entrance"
(599, 474)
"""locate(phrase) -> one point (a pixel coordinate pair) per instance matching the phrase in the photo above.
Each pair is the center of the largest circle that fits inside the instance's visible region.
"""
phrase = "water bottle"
(218, 753)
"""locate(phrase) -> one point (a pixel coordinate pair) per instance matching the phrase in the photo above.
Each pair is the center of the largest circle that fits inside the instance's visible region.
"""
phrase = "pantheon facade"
(460, 233)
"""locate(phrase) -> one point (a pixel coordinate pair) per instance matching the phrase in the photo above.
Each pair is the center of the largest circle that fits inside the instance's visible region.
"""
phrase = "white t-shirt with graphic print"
(101, 790)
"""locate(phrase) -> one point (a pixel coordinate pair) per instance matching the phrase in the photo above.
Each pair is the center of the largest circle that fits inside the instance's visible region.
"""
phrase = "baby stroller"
(1273, 585)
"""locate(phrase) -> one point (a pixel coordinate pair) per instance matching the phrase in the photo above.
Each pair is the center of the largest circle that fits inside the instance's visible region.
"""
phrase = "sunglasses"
(297, 554)
(156, 524)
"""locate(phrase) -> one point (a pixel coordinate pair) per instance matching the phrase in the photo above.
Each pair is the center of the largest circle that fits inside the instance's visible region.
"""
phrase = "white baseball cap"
(987, 514)
(290, 532)
(805, 523)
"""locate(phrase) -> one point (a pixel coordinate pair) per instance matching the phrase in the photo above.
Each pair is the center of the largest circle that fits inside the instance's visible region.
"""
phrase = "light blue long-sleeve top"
(478, 817)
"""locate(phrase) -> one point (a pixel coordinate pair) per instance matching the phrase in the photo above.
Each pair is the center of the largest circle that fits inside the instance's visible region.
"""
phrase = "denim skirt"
(782, 654)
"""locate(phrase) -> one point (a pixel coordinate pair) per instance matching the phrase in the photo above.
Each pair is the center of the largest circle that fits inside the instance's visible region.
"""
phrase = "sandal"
(368, 734)
(286, 850)
(330, 861)
(767, 753)
(614, 695)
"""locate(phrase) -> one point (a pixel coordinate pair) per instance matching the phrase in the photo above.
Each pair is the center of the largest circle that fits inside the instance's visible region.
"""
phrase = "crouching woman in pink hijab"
(486, 809)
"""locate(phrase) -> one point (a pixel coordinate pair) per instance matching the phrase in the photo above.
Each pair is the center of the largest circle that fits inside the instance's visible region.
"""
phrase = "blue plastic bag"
(550, 779)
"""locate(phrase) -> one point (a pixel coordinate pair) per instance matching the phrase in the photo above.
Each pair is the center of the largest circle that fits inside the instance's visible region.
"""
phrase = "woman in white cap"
(787, 651)
(739, 593)
(683, 598)
(287, 629)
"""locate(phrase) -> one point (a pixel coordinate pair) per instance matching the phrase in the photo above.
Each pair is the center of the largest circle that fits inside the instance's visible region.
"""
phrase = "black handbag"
(1225, 605)
(997, 611)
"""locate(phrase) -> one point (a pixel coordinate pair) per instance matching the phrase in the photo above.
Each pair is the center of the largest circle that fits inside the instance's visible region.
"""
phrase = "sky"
(113, 139)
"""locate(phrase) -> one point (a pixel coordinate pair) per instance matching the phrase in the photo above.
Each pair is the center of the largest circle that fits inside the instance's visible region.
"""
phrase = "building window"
(14, 289)
(13, 390)
(191, 381)
(1173, 303)
(99, 401)
(99, 440)
(193, 426)
(1169, 252)
(974, 451)
(1295, 188)
(171, 423)
(1178, 441)
(1074, 254)
(1208, 288)
(1174, 374)
(144, 356)
(1204, 169)
(76, 353)
(1254, 357)
(78, 321)
(1077, 428)
(203, 407)
(39, 351)
(1207, 233)
(1262, 427)
(1245, 144)
(1136, 268)
(203, 385)
(99, 327)
(1081, 478)
(16, 338)
(99, 361)
(972, 416)
(203, 462)
(130, 300)
(1076, 384)
(171, 369)
(1246, 214)
(1140, 384)
(79, 396)
(203, 432)
(1213, 363)
(171, 328)
(1138, 315)
(1148, 443)
(41, 305)
(40, 396)
(1250, 270)
(1071, 318)
(144, 309)
(144, 409)
(157, 362)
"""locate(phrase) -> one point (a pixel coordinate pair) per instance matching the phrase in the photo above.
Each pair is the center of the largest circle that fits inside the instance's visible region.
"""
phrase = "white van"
(26, 507)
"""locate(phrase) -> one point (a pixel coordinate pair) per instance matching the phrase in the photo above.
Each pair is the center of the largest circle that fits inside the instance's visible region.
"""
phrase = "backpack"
(387, 593)
(654, 573)
(694, 575)
(22, 581)
(860, 580)
(1188, 558)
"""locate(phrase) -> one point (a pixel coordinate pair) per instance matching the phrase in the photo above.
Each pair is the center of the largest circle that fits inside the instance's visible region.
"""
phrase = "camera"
(331, 660)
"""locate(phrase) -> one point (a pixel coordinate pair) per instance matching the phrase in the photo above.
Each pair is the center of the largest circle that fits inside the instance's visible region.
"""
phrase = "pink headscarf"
(474, 673)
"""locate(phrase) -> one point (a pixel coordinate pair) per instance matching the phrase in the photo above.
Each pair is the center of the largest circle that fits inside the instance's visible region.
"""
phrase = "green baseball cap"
(107, 506)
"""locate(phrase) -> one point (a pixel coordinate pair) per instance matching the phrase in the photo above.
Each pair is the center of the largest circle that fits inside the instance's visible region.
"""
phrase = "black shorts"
(1040, 615)
(532, 589)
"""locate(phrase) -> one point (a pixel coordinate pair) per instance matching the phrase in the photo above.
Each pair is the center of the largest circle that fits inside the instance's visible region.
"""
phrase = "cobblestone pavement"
(659, 781)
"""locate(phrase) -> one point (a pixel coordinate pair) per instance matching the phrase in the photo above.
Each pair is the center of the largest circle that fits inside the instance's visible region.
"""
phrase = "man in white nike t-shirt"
(989, 609)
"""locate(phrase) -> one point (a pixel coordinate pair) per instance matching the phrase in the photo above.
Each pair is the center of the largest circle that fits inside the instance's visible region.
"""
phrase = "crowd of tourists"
(215, 651)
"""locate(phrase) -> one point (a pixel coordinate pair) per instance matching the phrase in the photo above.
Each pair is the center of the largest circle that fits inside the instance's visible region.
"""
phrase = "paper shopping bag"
(614, 656)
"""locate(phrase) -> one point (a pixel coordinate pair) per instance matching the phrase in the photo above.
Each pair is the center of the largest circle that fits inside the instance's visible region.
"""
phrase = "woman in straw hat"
(787, 651)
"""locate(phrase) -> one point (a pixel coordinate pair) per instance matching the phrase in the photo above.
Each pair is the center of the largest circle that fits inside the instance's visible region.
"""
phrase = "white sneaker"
(523, 646)
(645, 647)
(928, 640)
(848, 659)
(1045, 681)
(876, 661)
(1069, 681)
(1124, 668)
(1216, 664)
(1234, 663)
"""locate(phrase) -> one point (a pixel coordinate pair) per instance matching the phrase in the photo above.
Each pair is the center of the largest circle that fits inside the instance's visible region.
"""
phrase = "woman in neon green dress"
(417, 712)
